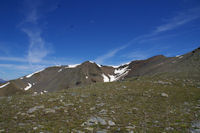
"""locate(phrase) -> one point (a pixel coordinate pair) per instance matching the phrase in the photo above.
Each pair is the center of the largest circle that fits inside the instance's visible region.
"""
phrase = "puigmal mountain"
(58, 78)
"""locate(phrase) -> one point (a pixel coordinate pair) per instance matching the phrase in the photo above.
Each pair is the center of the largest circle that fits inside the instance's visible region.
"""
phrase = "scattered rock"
(35, 128)
(81, 100)
(31, 110)
(58, 108)
(48, 110)
(32, 116)
(69, 104)
(130, 127)
(195, 130)
(103, 112)
(73, 94)
(92, 108)
(101, 121)
(2, 130)
(100, 104)
(169, 128)
(94, 121)
(113, 112)
(111, 123)
(136, 109)
(51, 100)
(103, 131)
(77, 131)
(164, 95)
(163, 82)
(15, 117)
(21, 124)
(89, 129)
(84, 96)
(124, 87)
(23, 114)
(196, 125)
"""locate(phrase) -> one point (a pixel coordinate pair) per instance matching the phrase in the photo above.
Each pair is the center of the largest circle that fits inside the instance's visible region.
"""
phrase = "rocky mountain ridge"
(58, 78)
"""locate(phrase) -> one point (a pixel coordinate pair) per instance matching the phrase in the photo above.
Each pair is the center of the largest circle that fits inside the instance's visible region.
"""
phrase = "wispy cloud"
(31, 14)
(22, 67)
(15, 59)
(103, 58)
(38, 47)
(172, 23)
(179, 20)
(47, 62)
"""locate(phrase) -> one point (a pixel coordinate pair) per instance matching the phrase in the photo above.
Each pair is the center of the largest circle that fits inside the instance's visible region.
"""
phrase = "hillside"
(146, 104)
(57, 78)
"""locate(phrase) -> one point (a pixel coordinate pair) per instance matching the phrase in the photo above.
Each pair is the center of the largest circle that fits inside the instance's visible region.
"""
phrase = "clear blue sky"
(39, 33)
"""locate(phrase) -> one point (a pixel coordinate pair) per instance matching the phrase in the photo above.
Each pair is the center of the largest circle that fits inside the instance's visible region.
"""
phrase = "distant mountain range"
(2, 81)
(57, 78)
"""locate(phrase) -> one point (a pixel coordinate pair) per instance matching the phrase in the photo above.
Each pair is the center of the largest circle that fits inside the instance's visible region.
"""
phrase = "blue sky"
(35, 34)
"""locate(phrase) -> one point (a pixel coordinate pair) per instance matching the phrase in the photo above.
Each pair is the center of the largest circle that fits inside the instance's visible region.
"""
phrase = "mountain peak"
(90, 62)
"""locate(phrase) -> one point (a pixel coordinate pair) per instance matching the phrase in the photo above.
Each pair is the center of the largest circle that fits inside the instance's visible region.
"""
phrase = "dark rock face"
(63, 77)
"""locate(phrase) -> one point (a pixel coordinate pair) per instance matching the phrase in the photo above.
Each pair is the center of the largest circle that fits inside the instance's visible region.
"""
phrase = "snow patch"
(120, 70)
(121, 65)
(91, 61)
(5, 85)
(122, 75)
(28, 87)
(115, 66)
(22, 78)
(95, 63)
(72, 66)
(30, 75)
(105, 78)
(60, 70)
(112, 78)
(179, 56)
(98, 65)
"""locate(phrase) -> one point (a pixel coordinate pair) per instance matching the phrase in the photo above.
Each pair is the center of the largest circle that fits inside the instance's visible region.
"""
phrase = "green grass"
(134, 102)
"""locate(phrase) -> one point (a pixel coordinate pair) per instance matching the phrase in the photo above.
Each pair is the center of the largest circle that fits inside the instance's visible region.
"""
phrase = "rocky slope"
(146, 104)
(63, 77)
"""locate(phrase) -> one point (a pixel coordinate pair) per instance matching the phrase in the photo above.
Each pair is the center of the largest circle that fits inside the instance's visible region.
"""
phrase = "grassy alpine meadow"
(147, 104)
